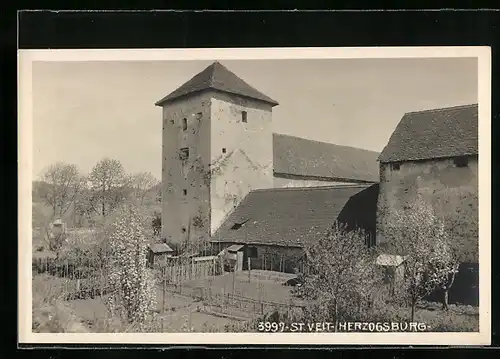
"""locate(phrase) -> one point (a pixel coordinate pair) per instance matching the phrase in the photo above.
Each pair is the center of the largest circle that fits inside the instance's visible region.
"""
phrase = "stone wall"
(227, 159)
(186, 192)
(452, 191)
(241, 152)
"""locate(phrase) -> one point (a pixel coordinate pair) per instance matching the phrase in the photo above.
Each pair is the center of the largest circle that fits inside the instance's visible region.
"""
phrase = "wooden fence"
(229, 304)
(175, 272)
(87, 278)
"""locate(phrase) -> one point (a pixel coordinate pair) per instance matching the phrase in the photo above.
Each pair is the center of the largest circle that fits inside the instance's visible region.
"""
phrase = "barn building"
(272, 226)
(434, 153)
(219, 145)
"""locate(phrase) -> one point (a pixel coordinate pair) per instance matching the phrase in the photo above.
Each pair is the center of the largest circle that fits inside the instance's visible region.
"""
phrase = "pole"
(234, 277)
(164, 293)
(213, 268)
(248, 260)
(191, 274)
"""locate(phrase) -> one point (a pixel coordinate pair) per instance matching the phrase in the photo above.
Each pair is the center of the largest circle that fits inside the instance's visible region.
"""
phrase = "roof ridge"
(324, 142)
(443, 108)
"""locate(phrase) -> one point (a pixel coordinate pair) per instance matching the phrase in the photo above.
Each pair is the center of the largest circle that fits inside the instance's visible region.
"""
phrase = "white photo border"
(25, 154)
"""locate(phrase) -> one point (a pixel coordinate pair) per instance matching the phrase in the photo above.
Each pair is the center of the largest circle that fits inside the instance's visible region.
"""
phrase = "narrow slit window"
(244, 117)
(184, 192)
(184, 153)
(460, 162)
(172, 122)
(224, 150)
(183, 229)
(184, 124)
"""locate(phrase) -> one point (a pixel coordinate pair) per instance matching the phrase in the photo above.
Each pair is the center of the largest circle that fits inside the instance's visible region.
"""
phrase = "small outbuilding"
(158, 254)
(233, 257)
(393, 266)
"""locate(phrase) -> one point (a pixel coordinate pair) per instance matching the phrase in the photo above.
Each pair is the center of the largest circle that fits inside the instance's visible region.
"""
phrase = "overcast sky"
(88, 110)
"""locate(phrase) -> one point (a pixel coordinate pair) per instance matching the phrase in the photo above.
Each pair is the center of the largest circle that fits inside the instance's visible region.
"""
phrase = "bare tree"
(142, 184)
(420, 236)
(63, 183)
(108, 184)
(340, 270)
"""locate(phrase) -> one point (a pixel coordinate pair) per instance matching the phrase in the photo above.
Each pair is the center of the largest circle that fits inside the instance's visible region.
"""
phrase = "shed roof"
(217, 77)
(437, 133)
(234, 248)
(302, 157)
(286, 216)
(390, 260)
(160, 248)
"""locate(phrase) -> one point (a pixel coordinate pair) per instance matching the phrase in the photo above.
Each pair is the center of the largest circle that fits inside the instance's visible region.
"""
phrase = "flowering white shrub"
(419, 235)
(341, 273)
(132, 286)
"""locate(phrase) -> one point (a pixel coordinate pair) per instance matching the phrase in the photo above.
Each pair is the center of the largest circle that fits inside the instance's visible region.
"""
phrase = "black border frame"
(187, 29)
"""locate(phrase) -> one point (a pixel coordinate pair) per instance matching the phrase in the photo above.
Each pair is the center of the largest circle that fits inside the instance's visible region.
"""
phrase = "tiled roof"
(219, 78)
(301, 157)
(288, 216)
(445, 132)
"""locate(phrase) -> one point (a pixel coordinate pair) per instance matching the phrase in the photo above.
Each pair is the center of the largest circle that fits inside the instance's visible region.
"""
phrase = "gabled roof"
(219, 78)
(301, 157)
(287, 216)
(438, 133)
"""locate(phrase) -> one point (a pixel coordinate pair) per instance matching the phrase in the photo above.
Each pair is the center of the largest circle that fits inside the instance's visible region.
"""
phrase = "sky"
(84, 111)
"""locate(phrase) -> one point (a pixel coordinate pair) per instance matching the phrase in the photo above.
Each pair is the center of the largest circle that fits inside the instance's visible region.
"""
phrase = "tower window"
(395, 166)
(224, 150)
(460, 161)
(184, 124)
(184, 153)
(184, 192)
(244, 116)
(172, 122)
(199, 115)
(183, 229)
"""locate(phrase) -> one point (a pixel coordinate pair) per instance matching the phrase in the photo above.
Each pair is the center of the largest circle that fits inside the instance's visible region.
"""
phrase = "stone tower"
(217, 146)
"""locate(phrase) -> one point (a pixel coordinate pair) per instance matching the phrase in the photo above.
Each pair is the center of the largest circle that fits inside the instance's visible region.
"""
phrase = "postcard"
(255, 196)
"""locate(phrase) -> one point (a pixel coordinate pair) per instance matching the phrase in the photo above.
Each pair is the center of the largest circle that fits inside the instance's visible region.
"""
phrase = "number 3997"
(271, 327)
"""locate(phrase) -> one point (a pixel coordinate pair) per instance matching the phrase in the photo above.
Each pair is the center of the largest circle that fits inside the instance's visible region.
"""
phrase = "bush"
(50, 313)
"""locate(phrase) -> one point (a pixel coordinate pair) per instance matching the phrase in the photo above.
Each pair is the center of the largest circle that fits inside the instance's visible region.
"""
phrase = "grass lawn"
(181, 320)
(180, 314)
(464, 318)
